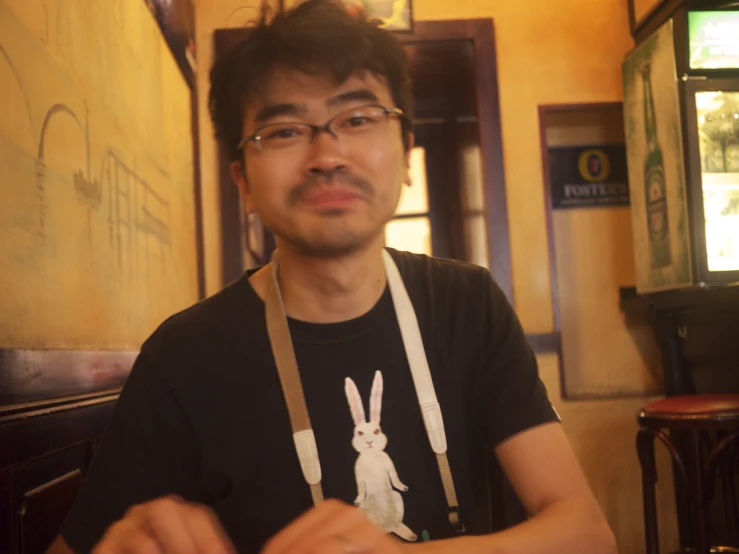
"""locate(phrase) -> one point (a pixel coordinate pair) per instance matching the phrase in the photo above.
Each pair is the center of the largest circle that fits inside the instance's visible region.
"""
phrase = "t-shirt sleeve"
(147, 451)
(514, 397)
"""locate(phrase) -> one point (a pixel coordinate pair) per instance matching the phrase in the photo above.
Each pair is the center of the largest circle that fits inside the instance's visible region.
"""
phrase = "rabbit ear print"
(376, 398)
(355, 402)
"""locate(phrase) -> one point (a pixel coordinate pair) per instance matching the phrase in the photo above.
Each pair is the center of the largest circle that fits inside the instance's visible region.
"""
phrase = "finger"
(331, 514)
(362, 539)
(164, 521)
(207, 532)
(126, 536)
(349, 532)
(141, 543)
(353, 531)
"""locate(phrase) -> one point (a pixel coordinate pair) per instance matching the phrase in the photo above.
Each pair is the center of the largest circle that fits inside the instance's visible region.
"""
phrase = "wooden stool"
(695, 416)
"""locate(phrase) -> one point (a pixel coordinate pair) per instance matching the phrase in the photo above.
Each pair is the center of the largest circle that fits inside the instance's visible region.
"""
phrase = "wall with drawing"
(97, 240)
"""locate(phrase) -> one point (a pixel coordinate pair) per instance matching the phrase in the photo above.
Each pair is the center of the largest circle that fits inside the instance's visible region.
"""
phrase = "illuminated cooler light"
(714, 39)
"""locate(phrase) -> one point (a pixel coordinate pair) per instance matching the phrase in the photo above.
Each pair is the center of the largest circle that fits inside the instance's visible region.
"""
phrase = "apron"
(292, 388)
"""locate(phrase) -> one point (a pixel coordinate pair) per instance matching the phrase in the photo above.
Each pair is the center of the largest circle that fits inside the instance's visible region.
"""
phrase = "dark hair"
(317, 37)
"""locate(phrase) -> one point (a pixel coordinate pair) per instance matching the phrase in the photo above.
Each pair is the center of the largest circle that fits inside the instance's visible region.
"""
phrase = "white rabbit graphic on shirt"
(374, 470)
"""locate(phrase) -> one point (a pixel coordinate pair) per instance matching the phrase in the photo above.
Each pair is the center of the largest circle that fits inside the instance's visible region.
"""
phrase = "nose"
(326, 155)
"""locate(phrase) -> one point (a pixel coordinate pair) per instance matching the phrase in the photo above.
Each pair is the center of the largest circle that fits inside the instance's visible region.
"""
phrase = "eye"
(377, 431)
(282, 133)
(360, 433)
(286, 133)
(357, 121)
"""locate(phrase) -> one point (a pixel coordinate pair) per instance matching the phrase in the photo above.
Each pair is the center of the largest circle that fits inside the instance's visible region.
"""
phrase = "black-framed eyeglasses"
(356, 122)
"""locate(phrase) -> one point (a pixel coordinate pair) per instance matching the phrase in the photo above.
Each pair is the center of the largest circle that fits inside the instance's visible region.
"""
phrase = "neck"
(330, 290)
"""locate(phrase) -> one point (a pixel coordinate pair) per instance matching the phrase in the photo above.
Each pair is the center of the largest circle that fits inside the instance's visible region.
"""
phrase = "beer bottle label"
(657, 204)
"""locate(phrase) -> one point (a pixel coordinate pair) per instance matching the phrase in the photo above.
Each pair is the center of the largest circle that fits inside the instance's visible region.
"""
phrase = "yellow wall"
(548, 53)
(97, 244)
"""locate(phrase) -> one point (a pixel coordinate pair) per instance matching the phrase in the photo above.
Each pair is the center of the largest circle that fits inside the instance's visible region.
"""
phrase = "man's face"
(333, 196)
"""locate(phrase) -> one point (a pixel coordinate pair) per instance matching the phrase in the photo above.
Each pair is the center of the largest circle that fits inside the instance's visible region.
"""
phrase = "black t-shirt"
(202, 414)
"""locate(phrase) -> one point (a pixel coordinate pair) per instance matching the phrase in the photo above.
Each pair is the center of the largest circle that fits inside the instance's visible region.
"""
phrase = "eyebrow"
(353, 96)
(276, 110)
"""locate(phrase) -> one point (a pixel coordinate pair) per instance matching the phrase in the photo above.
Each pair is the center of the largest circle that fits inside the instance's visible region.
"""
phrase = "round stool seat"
(694, 405)
(699, 432)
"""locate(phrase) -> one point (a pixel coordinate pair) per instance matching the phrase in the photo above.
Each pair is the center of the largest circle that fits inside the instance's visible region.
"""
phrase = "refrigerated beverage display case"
(681, 113)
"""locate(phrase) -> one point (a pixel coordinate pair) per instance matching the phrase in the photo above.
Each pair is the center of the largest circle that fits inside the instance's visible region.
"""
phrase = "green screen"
(714, 39)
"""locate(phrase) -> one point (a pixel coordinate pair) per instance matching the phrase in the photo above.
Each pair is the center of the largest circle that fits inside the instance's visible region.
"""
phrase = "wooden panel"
(443, 69)
(6, 513)
(713, 342)
(43, 494)
(32, 375)
(33, 434)
(45, 448)
(44, 509)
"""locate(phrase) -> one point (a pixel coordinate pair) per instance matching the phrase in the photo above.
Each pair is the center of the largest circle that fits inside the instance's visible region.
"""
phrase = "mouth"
(331, 198)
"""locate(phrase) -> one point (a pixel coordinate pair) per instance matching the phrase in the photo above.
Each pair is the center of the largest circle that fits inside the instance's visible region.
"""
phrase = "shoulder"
(442, 276)
(209, 321)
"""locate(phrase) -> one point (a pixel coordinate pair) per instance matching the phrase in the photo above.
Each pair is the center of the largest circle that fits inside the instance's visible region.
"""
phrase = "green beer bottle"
(655, 189)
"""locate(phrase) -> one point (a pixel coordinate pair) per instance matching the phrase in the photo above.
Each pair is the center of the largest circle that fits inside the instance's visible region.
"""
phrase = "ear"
(411, 144)
(376, 398)
(355, 402)
(238, 176)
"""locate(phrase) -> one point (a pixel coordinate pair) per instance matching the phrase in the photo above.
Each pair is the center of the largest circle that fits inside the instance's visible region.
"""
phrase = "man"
(205, 452)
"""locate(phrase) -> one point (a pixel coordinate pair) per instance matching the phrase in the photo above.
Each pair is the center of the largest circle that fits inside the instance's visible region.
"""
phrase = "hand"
(166, 525)
(333, 528)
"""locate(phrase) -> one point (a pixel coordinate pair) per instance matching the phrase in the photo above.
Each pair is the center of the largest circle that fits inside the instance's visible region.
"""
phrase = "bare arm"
(161, 526)
(59, 546)
(565, 517)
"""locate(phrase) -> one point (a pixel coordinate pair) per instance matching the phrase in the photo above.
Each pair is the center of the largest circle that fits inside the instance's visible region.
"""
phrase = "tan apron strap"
(316, 491)
(449, 492)
(292, 388)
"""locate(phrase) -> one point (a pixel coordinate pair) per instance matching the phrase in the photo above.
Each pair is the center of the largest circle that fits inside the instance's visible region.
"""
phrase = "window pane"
(414, 199)
(476, 240)
(412, 234)
(472, 187)
(718, 129)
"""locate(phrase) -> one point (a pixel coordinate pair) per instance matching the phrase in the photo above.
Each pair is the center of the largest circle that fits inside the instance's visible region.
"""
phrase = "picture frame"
(641, 12)
(176, 19)
(396, 15)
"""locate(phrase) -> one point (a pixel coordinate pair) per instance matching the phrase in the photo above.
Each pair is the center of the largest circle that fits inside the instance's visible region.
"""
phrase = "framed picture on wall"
(176, 19)
(640, 11)
(396, 15)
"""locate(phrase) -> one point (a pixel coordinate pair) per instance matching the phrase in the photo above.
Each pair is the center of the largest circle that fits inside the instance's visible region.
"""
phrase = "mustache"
(330, 178)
